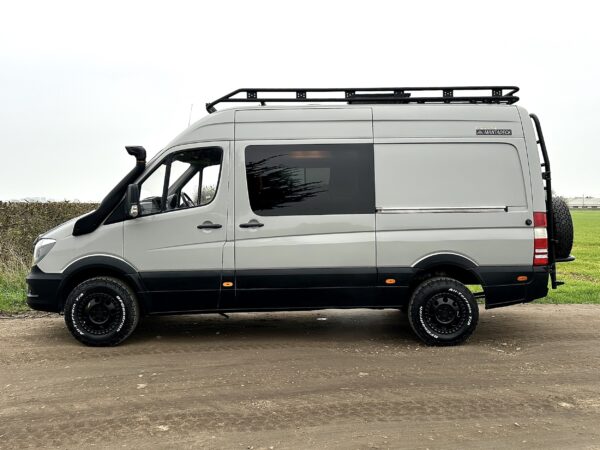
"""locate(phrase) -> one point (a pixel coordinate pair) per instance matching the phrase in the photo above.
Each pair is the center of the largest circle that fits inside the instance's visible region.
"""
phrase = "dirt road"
(529, 377)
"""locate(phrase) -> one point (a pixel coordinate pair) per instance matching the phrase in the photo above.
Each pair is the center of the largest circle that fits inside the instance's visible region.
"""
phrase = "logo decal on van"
(494, 132)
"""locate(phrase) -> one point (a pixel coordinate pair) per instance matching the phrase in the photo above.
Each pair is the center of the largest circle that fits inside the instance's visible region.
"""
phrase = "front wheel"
(442, 311)
(101, 311)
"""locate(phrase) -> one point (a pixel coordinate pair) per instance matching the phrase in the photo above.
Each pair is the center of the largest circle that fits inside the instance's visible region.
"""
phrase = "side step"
(569, 258)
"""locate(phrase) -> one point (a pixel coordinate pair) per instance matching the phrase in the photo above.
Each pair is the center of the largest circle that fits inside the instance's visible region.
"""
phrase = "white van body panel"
(533, 156)
(484, 246)
(441, 188)
(430, 175)
(171, 241)
(308, 123)
(439, 112)
(432, 121)
(68, 248)
(311, 241)
(325, 250)
(214, 127)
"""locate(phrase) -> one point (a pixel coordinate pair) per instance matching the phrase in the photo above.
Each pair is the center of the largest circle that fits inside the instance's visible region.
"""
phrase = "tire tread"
(563, 227)
(109, 282)
(432, 283)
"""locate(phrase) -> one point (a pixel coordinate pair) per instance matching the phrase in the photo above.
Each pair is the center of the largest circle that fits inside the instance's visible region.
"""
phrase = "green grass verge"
(12, 284)
(581, 277)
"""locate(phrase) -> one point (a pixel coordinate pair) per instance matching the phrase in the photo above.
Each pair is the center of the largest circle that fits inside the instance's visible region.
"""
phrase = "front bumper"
(43, 289)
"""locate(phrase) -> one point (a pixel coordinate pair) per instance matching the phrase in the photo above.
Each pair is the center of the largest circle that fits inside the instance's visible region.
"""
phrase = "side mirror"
(132, 201)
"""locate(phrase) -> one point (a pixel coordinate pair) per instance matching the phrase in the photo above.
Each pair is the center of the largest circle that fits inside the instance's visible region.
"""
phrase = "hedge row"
(22, 222)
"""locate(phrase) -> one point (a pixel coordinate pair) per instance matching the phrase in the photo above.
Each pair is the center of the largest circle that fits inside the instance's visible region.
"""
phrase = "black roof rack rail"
(390, 95)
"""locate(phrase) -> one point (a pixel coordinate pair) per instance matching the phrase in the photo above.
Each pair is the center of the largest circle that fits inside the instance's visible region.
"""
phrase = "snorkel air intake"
(93, 220)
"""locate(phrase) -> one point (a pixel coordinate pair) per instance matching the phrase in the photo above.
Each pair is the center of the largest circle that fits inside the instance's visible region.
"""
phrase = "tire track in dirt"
(529, 373)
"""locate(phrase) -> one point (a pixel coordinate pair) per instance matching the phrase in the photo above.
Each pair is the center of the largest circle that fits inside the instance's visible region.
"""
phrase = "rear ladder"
(547, 177)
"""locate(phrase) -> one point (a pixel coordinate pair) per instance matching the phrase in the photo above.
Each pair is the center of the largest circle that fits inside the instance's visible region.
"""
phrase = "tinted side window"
(288, 180)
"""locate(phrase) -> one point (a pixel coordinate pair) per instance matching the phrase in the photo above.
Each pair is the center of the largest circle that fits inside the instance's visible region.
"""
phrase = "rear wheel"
(101, 311)
(442, 311)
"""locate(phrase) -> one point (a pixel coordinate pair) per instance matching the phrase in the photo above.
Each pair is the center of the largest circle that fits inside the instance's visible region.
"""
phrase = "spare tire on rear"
(563, 227)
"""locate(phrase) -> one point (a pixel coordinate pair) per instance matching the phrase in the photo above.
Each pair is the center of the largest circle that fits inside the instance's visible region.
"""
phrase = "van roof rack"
(390, 95)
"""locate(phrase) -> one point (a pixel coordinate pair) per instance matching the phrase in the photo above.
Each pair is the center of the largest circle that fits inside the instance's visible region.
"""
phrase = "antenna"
(190, 116)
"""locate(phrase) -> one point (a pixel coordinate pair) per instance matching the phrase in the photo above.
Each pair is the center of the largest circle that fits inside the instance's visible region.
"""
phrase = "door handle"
(208, 225)
(252, 224)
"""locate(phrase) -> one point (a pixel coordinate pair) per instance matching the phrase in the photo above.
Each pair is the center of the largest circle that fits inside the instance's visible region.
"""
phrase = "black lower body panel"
(182, 291)
(301, 298)
(502, 288)
(302, 288)
(168, 292)
(42, 290)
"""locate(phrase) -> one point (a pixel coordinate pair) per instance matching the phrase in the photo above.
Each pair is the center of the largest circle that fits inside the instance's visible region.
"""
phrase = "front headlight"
(42, 248)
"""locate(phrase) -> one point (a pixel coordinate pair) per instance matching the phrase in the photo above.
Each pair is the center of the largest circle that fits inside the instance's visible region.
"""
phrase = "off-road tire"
(563, 228)
(101, 312)
(448, 298)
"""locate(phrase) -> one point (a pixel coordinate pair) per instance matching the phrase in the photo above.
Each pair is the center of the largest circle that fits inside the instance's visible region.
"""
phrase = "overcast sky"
(79, 82)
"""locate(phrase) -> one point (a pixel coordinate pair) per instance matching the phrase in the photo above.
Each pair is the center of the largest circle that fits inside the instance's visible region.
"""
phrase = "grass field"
(581, 277)
(12, 283)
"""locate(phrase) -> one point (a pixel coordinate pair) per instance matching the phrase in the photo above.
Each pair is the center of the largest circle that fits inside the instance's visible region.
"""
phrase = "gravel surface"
(528, 378)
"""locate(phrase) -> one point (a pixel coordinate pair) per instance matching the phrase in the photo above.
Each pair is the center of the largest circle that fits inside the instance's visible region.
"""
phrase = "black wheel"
(442, 311)
(101, 311)
(563, 227)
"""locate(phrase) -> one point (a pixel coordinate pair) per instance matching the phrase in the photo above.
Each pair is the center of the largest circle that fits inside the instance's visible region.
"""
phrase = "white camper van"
(320, 198)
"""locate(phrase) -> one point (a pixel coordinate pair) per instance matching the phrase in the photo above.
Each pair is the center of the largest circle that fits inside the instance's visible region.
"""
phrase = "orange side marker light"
(390, 281)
